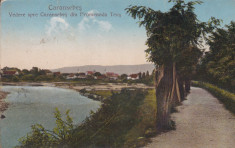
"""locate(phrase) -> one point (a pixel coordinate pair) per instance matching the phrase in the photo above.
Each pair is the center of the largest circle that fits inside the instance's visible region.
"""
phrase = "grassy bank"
(224, 96)
(126, 119)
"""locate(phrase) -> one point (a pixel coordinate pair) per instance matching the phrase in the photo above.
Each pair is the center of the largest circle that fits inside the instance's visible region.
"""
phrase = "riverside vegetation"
(126, 119)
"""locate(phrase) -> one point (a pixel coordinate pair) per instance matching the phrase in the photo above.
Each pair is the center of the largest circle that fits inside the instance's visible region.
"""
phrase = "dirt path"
(202, 122)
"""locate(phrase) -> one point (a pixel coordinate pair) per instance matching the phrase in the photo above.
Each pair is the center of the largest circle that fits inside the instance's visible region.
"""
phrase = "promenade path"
(201, 122)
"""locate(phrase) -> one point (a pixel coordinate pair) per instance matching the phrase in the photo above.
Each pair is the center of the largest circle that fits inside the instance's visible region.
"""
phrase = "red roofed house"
(81, 75)
(90, 73)
(71, 76)
(112, 76)
(56, 73)
(10, 73)
(133, 77)
(102, 77)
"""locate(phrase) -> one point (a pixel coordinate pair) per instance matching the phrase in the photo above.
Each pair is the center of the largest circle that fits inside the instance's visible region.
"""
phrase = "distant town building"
(112, 75)
(102, 77)
(10, 72)
(71, 76)
(81, 75)
(48, 72)
(90, 73)
(133, 77)
(56, 73)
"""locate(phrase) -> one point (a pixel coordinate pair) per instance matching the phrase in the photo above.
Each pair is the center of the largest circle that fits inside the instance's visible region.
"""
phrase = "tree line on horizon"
(36, 74)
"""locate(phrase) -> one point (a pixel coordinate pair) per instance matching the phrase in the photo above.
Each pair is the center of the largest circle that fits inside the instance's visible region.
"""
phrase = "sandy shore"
(103, 86)
(67, 85)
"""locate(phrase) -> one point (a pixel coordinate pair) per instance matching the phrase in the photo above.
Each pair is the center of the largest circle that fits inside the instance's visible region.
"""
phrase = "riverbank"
(126, 119)
(97, 92)
(3, 104)
(138, 117)
(78, 86)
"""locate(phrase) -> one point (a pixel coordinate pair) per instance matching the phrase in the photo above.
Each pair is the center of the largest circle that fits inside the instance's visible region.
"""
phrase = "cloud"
(104, 25)
(3, 1)
(83, 24)
(58, 29)
(92, 22)
(57, 25)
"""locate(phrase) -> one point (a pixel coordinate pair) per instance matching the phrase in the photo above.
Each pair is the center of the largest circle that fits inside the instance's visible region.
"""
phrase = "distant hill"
(119, 69)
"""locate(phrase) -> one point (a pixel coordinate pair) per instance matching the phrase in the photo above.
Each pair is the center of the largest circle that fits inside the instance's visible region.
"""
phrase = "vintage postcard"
(117, 73)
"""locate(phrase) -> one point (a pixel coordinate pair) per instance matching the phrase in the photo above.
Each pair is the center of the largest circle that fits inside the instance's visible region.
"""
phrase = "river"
(30, 105)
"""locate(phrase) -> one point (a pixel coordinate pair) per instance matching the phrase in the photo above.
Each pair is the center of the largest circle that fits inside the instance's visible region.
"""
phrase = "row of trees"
(218, 65)
(173, 40)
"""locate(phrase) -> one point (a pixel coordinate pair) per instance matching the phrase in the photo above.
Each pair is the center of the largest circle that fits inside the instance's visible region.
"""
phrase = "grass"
(139, 135)
(226, 97)
(103, 93)
(145, 126)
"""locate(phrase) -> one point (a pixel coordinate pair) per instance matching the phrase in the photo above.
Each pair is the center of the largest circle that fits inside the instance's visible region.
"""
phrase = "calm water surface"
(30, 105)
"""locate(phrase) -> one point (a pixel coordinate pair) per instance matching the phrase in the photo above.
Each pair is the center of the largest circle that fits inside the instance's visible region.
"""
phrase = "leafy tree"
(15, 79)
(218, 65)
(41, 72)
(124, 76)
(34, 71)
(97, 74)
(147, 74)
(140, 75)
(170, 34)
(60, 136)
(25, 71)
(143, 75)
(28, 77)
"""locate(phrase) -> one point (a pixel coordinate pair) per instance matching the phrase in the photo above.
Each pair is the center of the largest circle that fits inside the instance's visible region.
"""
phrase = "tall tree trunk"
(187, 85)
(167, 92)
(181, 88)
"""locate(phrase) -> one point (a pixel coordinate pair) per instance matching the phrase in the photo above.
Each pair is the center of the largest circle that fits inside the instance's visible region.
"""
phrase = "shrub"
(59, 136)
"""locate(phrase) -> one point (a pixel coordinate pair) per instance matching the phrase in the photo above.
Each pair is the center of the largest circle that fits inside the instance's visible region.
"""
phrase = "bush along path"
(202, 121)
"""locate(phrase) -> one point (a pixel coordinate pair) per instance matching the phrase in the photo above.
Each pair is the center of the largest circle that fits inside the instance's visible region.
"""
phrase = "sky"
(50, 42)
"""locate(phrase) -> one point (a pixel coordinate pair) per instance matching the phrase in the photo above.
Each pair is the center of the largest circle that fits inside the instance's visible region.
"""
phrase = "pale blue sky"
(52, 42)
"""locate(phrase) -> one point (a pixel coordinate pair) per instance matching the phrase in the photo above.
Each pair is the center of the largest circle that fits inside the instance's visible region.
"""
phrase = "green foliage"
(171, 33)
(15, 79)
(108, 127)
(224, 96)
(28, 77)
(44, 78)
(217, 66)
(97, 74)
(103, 93)
(138, 135)
(59, 136)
